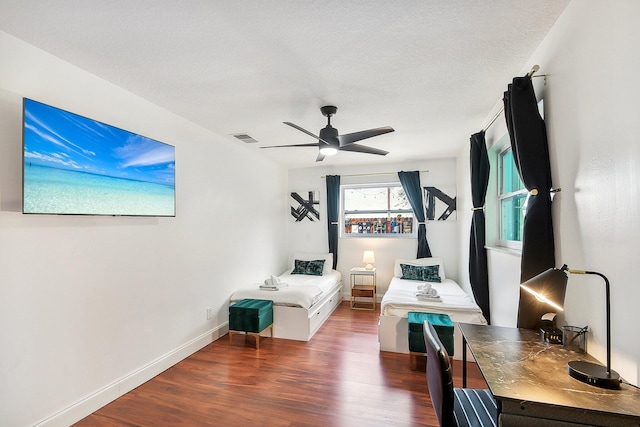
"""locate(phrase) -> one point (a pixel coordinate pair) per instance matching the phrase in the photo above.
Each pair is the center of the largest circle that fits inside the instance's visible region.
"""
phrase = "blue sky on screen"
(63, 140)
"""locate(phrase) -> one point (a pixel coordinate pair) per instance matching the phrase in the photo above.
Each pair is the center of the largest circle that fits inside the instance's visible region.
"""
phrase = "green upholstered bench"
(441, 323)
(251, 317)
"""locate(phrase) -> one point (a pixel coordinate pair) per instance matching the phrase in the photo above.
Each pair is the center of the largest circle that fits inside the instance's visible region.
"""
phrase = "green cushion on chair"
(251, 315)
(441, 323)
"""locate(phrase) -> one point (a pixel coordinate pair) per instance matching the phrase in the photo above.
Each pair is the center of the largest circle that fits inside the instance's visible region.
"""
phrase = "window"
(511, 199)
(380, 210)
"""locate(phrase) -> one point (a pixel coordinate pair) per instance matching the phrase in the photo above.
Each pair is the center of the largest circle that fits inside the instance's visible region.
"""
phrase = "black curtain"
(411, 184)
(478, 273)
(531, 155)
(333, 213)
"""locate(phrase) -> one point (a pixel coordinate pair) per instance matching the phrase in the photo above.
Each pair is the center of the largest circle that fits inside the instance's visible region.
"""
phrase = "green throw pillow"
(310, 268)
(424, 273)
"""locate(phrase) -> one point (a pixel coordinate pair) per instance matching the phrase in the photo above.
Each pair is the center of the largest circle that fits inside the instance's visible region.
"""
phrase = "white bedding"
(302, 290)
(401, 298)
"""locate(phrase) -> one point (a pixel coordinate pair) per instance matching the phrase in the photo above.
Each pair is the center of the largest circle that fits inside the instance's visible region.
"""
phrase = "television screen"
(78, 166)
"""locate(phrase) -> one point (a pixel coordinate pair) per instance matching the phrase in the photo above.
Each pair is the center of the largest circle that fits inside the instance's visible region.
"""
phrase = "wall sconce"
(368, 258)
(556, 279)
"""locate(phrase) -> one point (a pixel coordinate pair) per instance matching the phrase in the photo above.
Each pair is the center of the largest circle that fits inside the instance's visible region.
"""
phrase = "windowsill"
(504, 250)
(380, 236)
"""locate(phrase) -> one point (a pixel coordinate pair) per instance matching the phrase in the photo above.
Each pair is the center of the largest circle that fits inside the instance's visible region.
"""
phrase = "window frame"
(501, 196)
(388, 212)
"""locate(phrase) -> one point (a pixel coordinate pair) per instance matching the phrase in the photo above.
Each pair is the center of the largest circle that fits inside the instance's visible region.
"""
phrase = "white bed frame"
(300, 324)
(393, 336)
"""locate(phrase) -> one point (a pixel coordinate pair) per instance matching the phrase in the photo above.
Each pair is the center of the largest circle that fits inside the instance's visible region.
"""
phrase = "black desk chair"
(454, 406)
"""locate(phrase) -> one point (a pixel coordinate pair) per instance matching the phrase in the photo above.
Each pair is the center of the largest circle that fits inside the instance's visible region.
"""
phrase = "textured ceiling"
(433, 70)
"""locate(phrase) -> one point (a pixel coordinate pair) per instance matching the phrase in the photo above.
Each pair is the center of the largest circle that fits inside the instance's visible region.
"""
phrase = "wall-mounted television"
(78, 166)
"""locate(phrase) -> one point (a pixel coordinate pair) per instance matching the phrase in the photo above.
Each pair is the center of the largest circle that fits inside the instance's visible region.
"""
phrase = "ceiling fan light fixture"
(329, 142)
(328, 151)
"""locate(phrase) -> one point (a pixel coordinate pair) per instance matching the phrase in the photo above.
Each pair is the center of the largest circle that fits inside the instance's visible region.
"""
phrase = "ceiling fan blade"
(350, 138)
(320, 157)
(305, 131)
(363, 149)
(313, 144)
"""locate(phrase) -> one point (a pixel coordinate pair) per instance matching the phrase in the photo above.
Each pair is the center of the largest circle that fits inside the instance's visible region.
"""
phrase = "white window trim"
(510, 244)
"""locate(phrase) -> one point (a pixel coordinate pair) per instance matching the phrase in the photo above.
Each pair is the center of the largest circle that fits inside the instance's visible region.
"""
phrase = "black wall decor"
(302, 208)
(439, 205)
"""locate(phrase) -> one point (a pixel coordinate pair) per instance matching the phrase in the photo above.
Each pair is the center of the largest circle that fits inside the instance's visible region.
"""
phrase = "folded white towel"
(271, 285)
(424, 287)
(431, 292)
(268, 283)
(422, 297)
(271, 288)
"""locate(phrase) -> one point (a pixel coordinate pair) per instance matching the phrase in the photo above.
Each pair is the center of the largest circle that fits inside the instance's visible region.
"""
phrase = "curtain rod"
(374, 174)
(530, 74)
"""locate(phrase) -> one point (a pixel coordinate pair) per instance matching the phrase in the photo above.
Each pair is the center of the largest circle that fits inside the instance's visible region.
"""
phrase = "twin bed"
(302, 306)
(401, 298)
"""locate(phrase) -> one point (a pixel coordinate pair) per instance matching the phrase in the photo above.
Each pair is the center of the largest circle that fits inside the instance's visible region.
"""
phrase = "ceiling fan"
(329, 142)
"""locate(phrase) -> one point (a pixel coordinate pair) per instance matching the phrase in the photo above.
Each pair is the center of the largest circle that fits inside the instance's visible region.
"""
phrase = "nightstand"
(363, 288)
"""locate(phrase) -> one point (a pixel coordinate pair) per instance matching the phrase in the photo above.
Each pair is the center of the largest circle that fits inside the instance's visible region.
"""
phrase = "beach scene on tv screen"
(76, 165)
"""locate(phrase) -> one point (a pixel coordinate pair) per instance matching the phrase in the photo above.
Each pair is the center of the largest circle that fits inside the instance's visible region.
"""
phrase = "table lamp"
(587, 372)
(368, 258)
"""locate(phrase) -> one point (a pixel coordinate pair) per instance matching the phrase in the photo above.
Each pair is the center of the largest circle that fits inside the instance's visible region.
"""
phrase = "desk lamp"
(587, 372)
(368, 258)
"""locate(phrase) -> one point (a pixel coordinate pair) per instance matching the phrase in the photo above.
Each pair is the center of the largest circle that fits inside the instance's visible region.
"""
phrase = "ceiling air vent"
(245, 138)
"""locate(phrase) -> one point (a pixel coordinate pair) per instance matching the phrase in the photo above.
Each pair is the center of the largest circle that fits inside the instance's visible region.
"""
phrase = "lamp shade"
(548, 287)
(368, 258)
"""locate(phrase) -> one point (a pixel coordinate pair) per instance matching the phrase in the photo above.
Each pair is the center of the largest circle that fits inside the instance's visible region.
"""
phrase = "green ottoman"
(251, 317)
(441, 323)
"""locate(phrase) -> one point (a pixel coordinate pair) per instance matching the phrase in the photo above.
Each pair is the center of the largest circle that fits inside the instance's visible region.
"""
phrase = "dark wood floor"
(339, 378)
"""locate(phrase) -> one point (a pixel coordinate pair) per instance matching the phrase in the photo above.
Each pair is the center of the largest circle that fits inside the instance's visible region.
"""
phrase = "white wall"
(91, 307)
(591, 112)
(312, 236)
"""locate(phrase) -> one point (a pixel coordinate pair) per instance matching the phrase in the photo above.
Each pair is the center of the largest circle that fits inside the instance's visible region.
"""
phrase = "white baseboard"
(120, 387)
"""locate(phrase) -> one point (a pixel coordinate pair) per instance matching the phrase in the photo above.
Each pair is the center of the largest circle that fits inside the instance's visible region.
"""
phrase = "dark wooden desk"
(528, 378)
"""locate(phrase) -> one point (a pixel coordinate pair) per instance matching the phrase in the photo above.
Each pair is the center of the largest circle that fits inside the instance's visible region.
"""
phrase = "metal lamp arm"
(608, 304)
